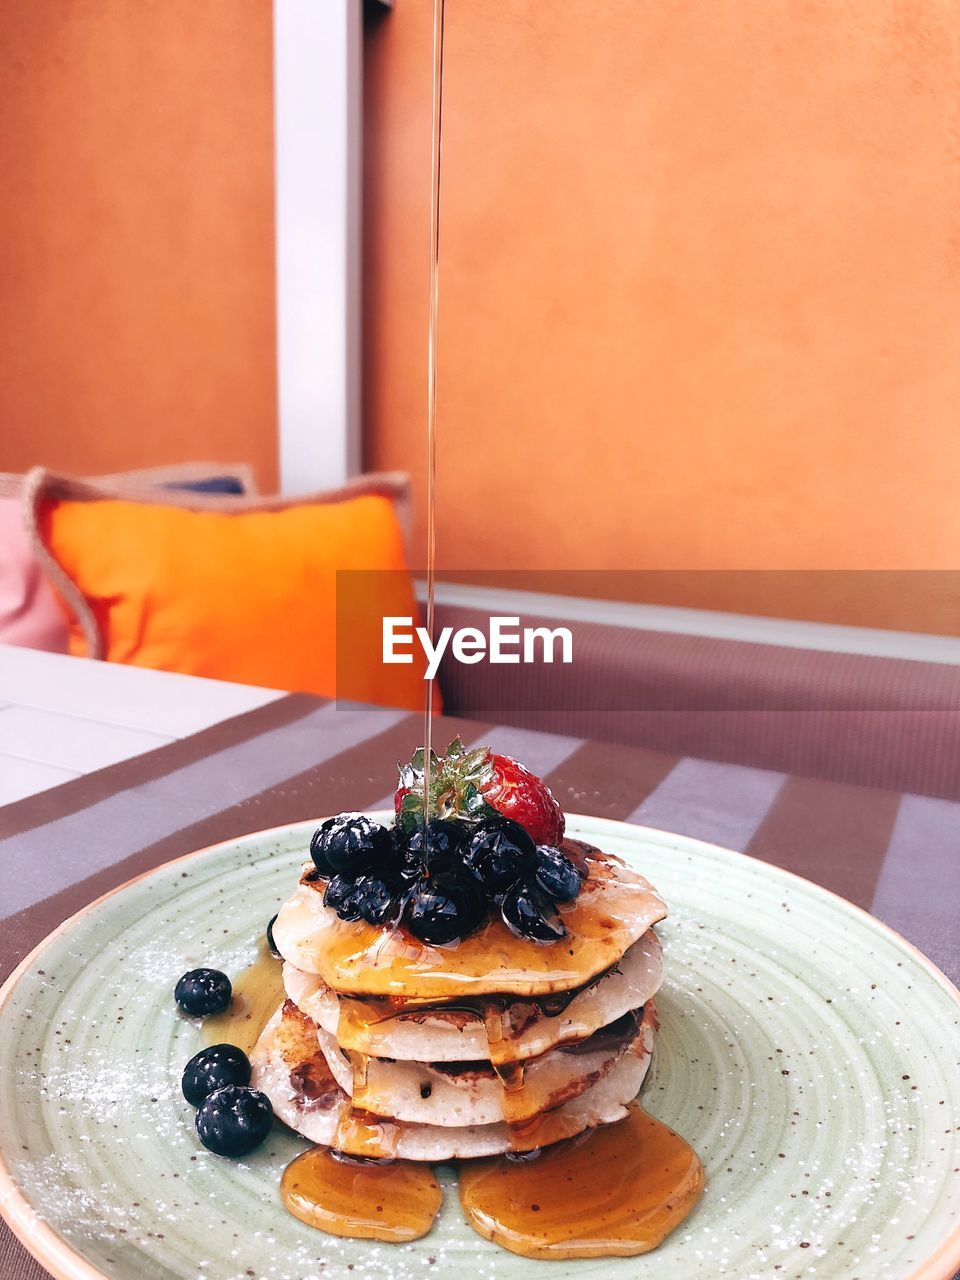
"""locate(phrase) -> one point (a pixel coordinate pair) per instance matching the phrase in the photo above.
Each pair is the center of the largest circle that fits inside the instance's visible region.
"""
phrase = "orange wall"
(699, 286)
(136, 234)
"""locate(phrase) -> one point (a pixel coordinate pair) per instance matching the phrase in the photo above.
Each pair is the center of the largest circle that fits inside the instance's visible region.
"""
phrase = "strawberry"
(476, 784)
(517, 793)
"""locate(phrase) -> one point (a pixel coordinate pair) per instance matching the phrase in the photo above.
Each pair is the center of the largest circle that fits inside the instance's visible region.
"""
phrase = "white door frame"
(318, 80)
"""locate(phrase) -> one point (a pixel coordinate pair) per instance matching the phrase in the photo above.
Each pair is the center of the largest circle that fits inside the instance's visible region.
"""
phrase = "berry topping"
(212, 1069)
(271, 942)
(477, 784)
(556, 875)
(447, 906)
(499, 851)
(379, 903)
(529, 914)
(484, 837)
(203, 991)
(234, 1120)
(344, 897)
(349, 844)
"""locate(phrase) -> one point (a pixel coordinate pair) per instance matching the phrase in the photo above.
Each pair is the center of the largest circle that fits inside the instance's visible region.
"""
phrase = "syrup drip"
(366, 1136)
(357, 1023)
(369, 1201)
(494, 1018)
(360, 1063)
(257, 990)
(619, 1192)
(360, 1069)
(510, 1075)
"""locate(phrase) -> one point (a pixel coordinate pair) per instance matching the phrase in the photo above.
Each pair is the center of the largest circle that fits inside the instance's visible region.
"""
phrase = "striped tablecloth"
(898, 855)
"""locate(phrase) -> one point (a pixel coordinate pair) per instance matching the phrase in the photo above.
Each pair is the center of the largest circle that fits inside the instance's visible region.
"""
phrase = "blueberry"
(405, 861)
(318, 848)
(234, 1120)
(499, 852)
(344, 897)
(448, 905)
(379, 902)
(203, 991)
(211, 1069)
(271, 943)
(556, 875)
(349, 844)
(444, 840)
(529, 914)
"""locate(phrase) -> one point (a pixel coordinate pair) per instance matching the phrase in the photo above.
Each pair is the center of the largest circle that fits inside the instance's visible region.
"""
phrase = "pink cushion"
(29, 612)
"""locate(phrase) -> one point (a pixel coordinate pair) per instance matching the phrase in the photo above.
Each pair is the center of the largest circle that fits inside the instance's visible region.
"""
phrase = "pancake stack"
(391, 1046)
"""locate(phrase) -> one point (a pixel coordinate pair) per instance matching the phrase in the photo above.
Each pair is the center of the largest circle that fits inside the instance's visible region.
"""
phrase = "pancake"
(457, 1034)
(470, 1093)
(615, 908)
(289, 1066)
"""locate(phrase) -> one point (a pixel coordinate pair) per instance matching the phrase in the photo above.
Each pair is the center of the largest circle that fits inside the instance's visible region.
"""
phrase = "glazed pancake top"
(615, 907)
(505, 1030)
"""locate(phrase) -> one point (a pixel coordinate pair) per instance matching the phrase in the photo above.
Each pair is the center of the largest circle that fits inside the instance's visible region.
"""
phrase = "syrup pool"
(615, 1193)
(368, 1201)
(257, 991)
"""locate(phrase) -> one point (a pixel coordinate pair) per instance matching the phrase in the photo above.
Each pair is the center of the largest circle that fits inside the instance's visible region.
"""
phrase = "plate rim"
(64, 1262)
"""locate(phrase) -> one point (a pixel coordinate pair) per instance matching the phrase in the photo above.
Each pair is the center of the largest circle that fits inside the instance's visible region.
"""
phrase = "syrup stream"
(438, 16)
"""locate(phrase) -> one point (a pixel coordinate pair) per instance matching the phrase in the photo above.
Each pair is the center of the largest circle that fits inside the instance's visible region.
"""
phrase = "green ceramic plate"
(809, 1054)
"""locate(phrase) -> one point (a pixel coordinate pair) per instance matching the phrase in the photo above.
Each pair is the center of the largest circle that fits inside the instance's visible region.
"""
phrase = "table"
(194, 762)
(61, 717)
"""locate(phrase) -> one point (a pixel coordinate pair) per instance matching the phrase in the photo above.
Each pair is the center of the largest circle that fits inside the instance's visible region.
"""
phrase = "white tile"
(19, 778)
(160, 702)
(69, 742)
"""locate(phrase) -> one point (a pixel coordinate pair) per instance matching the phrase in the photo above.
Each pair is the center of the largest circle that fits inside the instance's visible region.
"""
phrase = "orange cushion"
(247, 595)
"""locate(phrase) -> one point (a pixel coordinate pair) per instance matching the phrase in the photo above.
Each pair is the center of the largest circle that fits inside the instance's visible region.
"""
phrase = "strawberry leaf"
(472, 800)
(475, 759)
